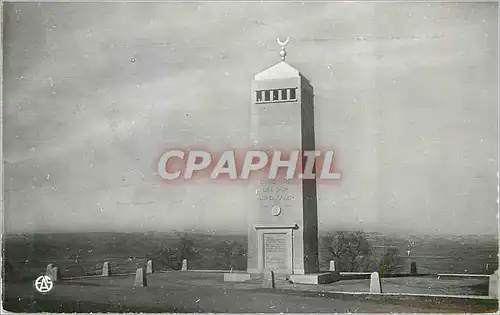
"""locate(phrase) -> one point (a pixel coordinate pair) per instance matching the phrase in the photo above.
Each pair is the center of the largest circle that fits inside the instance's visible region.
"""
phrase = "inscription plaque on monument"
(276, 256)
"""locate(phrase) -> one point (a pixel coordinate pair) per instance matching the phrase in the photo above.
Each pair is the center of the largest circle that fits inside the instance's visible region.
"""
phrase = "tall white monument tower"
(283, 227)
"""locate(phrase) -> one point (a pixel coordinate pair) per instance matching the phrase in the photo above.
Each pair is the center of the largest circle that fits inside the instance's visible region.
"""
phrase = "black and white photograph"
(250, 157)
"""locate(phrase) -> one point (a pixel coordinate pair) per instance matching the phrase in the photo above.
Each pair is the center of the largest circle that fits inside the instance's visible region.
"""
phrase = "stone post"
(140, 278)
(493, 286)
(332, 265)
(375, 284)
(184, 265)
(55, 274)
(149, 267)
(106, 270)
(269, 280)
(48, 271)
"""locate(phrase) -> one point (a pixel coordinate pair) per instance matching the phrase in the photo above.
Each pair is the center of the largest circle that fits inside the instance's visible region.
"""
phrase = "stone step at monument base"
(280, 280)
(236, 277)
(316, 278)
(244, 276)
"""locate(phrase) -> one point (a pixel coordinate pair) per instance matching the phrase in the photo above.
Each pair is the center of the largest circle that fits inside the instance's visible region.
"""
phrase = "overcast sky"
(94, 93)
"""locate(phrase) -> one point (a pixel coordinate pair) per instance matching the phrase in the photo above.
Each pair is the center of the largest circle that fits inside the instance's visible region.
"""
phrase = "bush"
(390, 262)
(351, 251)
(172, 257)
(233, 255)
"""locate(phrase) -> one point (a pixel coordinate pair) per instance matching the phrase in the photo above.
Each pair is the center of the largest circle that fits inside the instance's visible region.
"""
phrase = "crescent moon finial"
(282, 44)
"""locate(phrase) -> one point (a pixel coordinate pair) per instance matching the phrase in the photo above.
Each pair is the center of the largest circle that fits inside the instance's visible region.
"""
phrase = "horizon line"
(400, 233)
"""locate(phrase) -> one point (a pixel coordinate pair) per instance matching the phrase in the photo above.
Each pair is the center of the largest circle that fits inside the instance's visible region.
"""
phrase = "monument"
(283, 221)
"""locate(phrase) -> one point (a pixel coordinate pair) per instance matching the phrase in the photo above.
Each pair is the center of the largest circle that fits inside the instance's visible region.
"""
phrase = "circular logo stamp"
(43, 284)
(276, 210)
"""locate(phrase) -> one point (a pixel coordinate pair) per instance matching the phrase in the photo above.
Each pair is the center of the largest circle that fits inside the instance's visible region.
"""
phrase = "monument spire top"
(283, 44)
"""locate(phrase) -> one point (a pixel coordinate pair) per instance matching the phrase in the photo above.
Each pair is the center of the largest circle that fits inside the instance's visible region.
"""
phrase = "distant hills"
(433, 254)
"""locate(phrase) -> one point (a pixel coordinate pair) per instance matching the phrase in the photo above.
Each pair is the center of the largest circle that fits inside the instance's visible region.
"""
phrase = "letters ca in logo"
(43, 284)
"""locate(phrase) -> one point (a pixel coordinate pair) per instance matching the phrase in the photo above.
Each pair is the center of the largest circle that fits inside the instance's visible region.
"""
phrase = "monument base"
(316, 278)
(277, 272)
(311, 278)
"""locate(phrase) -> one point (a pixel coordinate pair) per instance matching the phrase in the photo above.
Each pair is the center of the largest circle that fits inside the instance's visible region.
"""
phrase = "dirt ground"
(207, 292)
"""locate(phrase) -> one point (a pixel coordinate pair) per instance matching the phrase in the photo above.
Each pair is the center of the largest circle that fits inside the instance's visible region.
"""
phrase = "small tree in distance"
(232, 253)
(390, 262)
(172, 257)
(351, 251)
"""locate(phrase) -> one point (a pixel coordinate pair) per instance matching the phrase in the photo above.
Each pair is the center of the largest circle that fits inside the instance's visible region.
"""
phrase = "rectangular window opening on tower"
(259, 96)
(267, 96)
(284, 94)
(275, 95)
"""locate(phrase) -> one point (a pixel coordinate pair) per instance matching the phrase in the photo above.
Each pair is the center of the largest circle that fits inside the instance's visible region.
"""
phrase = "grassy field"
(438, 254)
(207, 292)
(83, 253)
